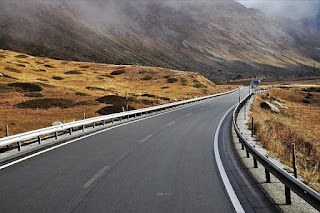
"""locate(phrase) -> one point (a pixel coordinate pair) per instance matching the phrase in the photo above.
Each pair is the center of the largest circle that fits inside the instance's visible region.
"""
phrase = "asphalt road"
(160, 164)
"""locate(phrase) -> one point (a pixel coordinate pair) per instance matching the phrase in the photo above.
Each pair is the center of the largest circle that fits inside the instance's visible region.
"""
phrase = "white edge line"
(188, 114)
(94, 178)
(143, 140)
(83, 137)
(171, 123)
(232, 195)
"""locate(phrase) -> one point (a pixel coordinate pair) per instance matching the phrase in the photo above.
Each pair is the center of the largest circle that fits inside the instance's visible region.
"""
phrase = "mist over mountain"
(220, 39)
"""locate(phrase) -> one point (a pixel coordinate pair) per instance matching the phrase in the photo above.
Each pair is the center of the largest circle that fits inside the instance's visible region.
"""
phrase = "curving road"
(163, 163)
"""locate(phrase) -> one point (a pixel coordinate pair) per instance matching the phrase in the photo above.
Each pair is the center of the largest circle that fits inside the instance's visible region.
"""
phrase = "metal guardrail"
(81, 124)
(290, 182)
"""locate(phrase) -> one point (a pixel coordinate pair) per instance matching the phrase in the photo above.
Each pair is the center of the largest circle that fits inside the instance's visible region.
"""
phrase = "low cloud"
(295, 9)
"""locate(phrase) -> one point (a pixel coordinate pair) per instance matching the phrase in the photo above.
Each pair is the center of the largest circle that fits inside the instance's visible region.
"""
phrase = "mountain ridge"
(221, 40)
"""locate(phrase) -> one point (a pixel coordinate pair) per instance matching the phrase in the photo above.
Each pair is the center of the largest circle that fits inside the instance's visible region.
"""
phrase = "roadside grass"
(297, 123)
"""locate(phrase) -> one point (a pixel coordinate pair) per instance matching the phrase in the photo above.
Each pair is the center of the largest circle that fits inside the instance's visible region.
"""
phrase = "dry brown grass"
(89, 75)
(299, 123)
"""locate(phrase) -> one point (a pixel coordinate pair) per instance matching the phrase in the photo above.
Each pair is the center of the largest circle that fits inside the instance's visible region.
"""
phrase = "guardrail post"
(83, 128)
(7, 130)
(248, 156)
(19, 146)
(39, 140)
(94, 125)
(56, 135)
(288, 195)
(267, 175)
(255, 163)
(294, 160)
(252, 127)
(84, 115)
(103, 122)
(112, 120)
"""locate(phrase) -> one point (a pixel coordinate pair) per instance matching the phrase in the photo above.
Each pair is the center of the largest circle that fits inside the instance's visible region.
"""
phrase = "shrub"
(39, 70)
(49, 66)
(88, 102)
(57, 78)
(21, 56)
(84, 66)
(199, 85)
(112, 109)
(95, 88)
(172, 80)
(142, 72)
(2, 56)
(107, 75)
(46, 103)
(10, 69)
(112, 99)
(149, 95)
(165, 87)
(81, 94)
(73, 72)
(8, 76)
(34, 95)
(117, 72)
(21, 65)
(5, 88)
(26, 87)
(183, 81)
(147, 78)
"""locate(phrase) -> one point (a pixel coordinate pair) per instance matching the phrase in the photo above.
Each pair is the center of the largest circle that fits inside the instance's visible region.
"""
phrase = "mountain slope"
(218, 39)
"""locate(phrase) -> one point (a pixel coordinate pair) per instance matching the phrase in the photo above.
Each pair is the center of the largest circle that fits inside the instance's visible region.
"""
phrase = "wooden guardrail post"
(7, 130)
(294, 160)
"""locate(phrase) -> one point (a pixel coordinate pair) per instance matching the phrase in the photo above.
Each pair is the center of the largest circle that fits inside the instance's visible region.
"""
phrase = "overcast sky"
(290, 8)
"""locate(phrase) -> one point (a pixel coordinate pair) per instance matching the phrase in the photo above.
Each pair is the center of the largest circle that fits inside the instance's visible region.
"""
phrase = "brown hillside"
(34, 91)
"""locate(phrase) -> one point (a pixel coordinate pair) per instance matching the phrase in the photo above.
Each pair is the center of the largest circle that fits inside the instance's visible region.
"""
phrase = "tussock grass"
(34, 95)
(73, 72)
(26, 87)
(58, 78)
(299, 124)
(10, 69)
(5, 88)
(172, 80)
(46, 103)
(88, 102)
(118, 72)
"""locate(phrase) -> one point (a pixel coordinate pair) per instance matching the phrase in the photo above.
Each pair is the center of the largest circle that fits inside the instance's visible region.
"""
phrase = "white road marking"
(171, 123)
(143, 140)
(162, 193)
(233, 197)
(94, 178)
(188, 114)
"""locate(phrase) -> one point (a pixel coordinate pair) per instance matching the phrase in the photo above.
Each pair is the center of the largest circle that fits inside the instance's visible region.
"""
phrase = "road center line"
(171, 123)
(94, 178)
(188, 114)
(145, 139)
